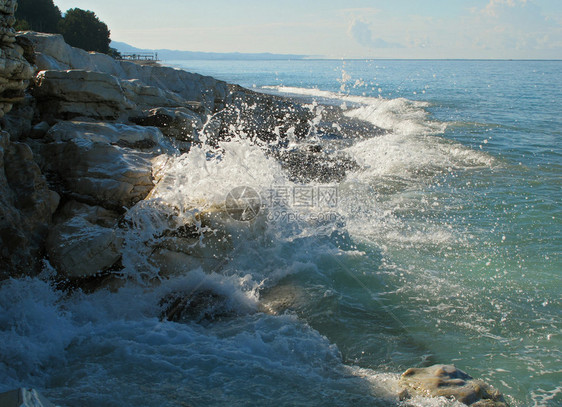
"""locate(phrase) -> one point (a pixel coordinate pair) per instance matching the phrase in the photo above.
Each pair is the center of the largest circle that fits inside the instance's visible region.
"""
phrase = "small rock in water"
(280, 298)
(448, 381)
(198, 306)
(24, 398)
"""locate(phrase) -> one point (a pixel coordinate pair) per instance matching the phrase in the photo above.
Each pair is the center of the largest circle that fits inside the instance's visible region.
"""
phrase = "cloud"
(493, 8)
(361, 32)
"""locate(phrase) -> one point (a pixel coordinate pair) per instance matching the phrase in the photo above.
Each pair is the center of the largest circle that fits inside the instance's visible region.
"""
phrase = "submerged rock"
(448, 381)
(198, 306)
(24, 398)
(280, 298)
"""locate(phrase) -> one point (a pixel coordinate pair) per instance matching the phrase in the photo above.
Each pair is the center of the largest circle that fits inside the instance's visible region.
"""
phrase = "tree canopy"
(38, 15)
(80, 28)
(84, 30)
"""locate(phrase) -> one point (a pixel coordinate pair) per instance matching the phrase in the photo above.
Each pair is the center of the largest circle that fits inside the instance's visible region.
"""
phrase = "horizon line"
(305, 58)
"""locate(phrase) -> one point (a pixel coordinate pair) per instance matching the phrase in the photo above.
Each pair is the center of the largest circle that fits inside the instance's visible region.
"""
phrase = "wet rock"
(261, 117)
(24, 398)
(448, 381)
(311, 164)
(334, 124)
(84, 241)
(180, 249)
(280, 298)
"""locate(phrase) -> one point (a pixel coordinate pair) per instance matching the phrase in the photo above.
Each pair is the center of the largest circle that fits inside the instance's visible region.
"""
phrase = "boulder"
(144, 96)
(101, 163)
(39, 130)
(180, 123)
(24, 398)
(18, 121)
(79, 93)
(84, 241)
(26, 208)
(261, 117)
(75, 93)
(450, 382)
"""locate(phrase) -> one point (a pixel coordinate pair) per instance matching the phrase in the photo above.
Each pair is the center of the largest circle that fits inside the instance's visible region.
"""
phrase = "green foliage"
(22, 25)
(84, 30)
(80, 28)
(114, 53)
(40, 15)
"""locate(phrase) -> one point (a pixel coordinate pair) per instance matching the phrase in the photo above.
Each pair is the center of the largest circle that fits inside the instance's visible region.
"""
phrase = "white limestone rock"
(450, 382)
(79, 93)
(144, 96)
(54, 54)
(74, 93)
(103, 163)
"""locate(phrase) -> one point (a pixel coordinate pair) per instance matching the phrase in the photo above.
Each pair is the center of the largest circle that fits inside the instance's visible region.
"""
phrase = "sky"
(497, 29)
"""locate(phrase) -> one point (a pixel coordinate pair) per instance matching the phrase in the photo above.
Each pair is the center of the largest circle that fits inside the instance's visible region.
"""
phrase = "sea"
(441, 246)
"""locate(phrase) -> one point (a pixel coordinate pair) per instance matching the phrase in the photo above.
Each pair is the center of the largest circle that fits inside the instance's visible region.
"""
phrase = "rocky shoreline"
(84, 139)
(94, 130)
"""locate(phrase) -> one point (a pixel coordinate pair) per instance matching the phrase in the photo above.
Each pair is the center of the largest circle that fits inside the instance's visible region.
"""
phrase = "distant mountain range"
(171, 55)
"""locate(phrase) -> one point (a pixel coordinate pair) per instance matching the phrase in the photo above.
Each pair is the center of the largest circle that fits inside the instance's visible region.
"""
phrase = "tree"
(38, 15)
(84, 30)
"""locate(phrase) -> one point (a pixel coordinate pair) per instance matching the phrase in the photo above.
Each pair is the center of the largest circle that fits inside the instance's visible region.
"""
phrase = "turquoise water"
(444, 247)
(471, 264)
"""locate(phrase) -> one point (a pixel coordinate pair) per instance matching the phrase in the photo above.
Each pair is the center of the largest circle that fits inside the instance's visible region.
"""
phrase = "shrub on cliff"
(38, 15)
(83, 29)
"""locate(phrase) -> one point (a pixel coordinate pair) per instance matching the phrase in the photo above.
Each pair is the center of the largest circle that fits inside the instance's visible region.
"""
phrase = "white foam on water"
(114, 345)
(400, 115)
(413, 157)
